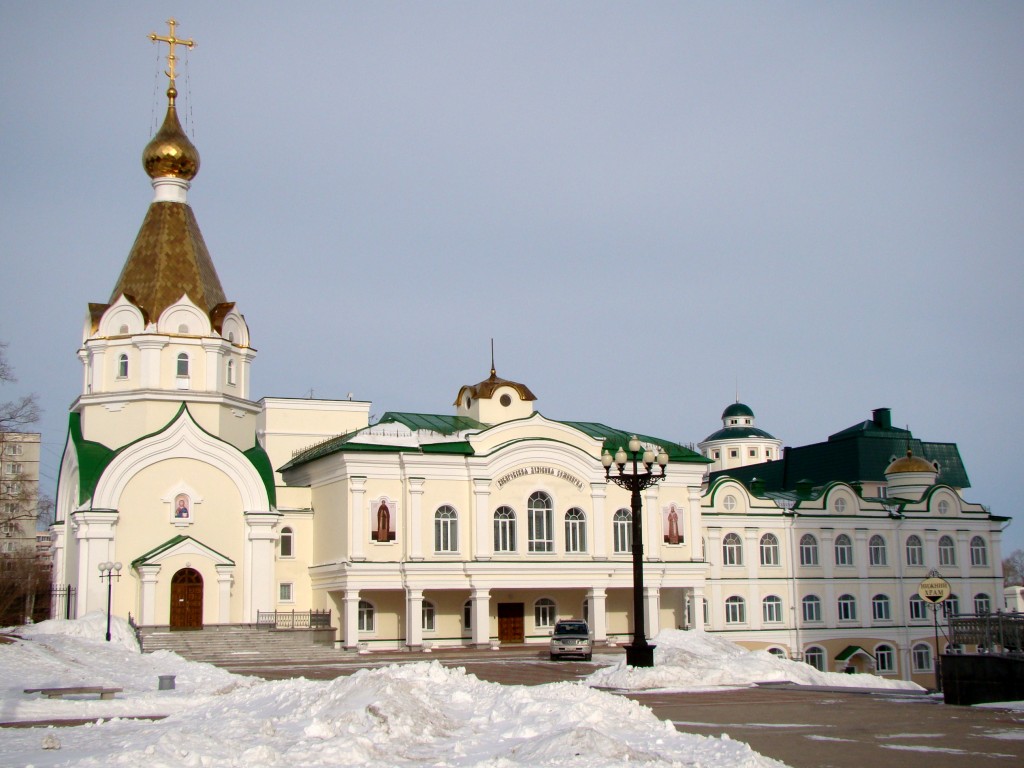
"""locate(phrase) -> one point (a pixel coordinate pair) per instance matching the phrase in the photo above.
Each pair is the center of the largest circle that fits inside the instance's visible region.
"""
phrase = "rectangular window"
(542, 538)
(285, 592)
(14, 468)
(753, 453)
(14, 449)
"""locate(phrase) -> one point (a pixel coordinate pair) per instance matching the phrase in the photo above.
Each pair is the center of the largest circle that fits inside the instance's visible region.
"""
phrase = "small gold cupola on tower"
(494, 399)
(168, 325)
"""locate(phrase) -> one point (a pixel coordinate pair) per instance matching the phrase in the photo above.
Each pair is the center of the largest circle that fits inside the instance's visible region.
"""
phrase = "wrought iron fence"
(992, 632)
(63, 601)
(294, 619)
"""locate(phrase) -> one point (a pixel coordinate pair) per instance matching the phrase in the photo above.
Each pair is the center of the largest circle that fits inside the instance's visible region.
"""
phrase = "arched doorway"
(187, 599)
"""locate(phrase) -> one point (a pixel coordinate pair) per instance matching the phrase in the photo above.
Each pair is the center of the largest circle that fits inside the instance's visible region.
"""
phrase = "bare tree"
(18, 413)
(1013, 569)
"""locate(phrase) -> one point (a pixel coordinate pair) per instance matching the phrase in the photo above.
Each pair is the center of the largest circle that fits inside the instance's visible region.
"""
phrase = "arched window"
(812, 608)
(735, 610)
(182, 371)
(943, 507)
(365, 616)
(808, 550)
(847, 605)
(732, 549)
(575, 530)
(876, 551)
(622, 531)
(922, 657)
(815, 656)
(771, 608)
(231, 372)
(880, 608)
(504, 530)
(918, 608)
(545, 613)
(287, 543)
(951, 606)
(915, 551)
(769, 549)
(947, 551)
(122, 367)
(777, 652)
(540, 523)
(844, 550)
(885, 659)
(446, 529)
(982, 603)
(979, 552)
(429, 614)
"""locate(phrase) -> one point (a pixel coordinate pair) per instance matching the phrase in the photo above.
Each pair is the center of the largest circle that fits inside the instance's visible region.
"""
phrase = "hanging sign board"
(934, 589)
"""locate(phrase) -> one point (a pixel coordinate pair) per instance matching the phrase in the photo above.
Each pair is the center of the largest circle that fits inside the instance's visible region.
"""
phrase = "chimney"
(882, 417)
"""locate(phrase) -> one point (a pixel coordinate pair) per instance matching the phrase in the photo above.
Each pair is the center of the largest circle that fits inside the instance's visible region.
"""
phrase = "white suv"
(571, 638)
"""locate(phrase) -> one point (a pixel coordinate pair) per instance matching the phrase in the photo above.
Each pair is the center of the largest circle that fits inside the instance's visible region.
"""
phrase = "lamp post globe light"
(109, 572)
(640, 475)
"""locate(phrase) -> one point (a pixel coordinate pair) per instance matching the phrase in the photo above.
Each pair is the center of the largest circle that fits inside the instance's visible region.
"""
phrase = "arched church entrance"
(187, 599)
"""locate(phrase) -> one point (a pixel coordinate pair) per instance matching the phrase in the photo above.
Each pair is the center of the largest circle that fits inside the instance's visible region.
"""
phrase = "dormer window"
(123, 330)
(505, 400)
(182, 370)
(183, 329)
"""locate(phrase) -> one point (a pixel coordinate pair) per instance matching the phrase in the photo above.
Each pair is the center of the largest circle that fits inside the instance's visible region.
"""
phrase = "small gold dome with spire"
(170, 153)
(909, 463)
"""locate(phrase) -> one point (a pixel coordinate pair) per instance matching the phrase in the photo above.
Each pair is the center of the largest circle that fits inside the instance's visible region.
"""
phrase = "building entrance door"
(187, 599)
(510, 623)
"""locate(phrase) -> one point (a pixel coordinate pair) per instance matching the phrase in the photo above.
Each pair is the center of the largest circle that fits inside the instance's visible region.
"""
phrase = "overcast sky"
(646, 205)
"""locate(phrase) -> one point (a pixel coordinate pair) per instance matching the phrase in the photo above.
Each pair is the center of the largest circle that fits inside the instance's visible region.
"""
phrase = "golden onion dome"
(170, 153)
(910, 463)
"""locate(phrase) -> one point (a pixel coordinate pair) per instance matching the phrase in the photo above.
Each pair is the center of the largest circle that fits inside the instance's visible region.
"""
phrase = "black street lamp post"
(639, 653)
(109, 572)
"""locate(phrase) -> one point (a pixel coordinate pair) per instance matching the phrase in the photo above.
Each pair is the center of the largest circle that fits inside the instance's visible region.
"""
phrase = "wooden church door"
(187, 599)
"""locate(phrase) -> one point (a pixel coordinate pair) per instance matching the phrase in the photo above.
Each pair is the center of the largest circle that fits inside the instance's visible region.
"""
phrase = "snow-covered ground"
(696, 661)
(413, 714)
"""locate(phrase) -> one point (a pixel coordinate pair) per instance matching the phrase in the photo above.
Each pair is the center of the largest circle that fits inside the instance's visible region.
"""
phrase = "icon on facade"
(182, 508)
(383, 530)
(671, 526)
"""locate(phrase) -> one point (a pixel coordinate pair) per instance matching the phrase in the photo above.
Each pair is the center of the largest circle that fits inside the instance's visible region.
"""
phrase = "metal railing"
(992, 632)
(293, 619)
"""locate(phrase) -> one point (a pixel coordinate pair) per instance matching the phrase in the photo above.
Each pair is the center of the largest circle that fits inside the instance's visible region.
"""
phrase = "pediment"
(182, 546)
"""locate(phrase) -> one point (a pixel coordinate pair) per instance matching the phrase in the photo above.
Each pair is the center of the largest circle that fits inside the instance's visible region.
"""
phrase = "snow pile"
(698, 660)
(414, 714)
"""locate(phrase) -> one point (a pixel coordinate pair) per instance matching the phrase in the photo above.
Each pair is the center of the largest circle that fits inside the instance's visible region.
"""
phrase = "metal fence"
(991, 632)
(294, 619)
(63, 602)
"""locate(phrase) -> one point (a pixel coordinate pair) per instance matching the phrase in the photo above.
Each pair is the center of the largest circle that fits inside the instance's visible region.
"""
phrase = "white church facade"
(478, 527)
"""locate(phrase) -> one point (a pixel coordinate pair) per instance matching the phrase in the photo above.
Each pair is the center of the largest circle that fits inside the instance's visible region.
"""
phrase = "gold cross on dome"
(171, 41)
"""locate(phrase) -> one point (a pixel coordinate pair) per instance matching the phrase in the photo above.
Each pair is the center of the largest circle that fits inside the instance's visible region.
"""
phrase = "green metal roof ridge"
(614, 438)
(93, 458)
(171, 542)
(260, 459)
(445, 424)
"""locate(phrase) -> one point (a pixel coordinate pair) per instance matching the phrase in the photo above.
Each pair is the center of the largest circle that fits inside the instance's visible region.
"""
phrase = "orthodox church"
(481, 526)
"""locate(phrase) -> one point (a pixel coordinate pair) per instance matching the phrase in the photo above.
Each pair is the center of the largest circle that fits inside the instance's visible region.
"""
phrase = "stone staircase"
(244, 646)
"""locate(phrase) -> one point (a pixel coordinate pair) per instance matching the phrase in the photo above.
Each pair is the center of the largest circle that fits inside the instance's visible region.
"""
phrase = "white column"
(653, 524)
(225, 577)
(258, 589)
(652, 611)
(693, 525)
(415, 545)
(598, 525)
(149, 360)
(350, 619)
(357, 516)
(597, 599)
(97, 360)
(414, 618)
(95, 533)
(714, 553)
(244, 369)
(58, 550)
(86, 360)
(147, 597)
(215, 374)
(751, 553)
(483, 522)
(698, 609)
(481, 607)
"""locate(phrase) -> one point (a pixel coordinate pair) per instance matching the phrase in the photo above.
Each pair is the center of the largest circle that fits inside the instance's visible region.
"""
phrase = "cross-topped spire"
(171, 41)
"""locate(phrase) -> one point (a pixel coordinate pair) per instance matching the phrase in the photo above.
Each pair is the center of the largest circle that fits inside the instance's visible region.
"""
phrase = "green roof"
(859, 453)
(849, 651)
(174, 541)
(738, 433)
(737, 409)
(445, 425)
(613, 439)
